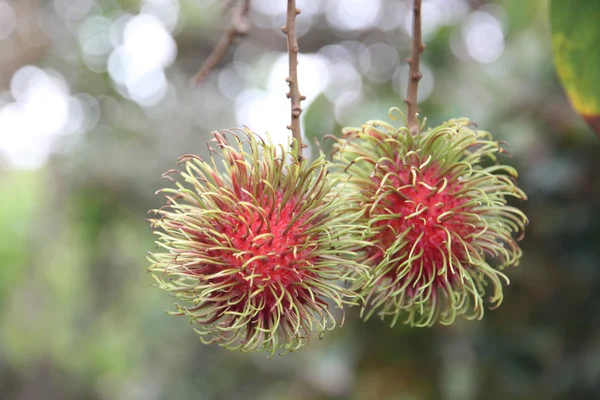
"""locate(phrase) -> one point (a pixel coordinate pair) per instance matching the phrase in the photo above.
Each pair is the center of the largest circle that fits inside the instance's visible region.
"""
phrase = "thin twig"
(294, 94)
(238, 26)
(414, 72)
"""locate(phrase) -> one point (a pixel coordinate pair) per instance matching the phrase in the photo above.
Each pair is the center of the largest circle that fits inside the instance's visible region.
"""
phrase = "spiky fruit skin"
(434, 208)
(257, 252)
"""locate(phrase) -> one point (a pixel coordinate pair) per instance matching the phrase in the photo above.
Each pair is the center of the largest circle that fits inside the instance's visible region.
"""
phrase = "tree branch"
(238, 26)
(294, 94)
(414, 72)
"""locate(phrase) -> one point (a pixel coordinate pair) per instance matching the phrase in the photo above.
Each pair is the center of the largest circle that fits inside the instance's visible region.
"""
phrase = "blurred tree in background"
(95, 103)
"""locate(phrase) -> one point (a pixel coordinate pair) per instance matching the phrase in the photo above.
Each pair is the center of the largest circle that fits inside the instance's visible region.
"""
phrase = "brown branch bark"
(238, 27)
(294, 93)
(414, 72)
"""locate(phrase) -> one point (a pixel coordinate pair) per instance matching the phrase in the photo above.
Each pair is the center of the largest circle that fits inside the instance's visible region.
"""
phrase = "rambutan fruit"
(434, 207)
(259, 250)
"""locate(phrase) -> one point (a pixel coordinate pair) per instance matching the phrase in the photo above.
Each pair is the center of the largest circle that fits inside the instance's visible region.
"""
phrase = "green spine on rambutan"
(256, 251)
(434, 209)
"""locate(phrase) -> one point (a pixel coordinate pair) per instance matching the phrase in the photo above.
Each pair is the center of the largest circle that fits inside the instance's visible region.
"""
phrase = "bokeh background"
(96, 102)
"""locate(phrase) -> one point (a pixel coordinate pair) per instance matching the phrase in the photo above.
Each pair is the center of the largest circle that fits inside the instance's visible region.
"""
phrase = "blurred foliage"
(575, 34)
(78, 316)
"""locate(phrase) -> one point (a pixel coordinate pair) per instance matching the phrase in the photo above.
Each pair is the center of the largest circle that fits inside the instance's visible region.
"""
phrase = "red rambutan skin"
(258, 251)
(436, 215)
(419, 211)
(264, 256)
(276, 260)
(268, 260)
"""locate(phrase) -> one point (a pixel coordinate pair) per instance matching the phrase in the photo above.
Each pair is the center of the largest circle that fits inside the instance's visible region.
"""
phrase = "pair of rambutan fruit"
(259, 250)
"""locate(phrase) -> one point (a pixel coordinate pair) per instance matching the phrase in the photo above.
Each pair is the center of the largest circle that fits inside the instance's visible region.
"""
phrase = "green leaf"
(576, 44)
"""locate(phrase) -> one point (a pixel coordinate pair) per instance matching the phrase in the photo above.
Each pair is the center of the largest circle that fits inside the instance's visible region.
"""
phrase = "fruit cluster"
(262, 250)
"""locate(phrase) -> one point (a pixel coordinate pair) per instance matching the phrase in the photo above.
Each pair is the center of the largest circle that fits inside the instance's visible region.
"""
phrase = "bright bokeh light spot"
(42, 112)
(95, 42)
(94, 36)
(25, 79)
(271, 14)
(90, 110)
(167, 11)
(148, 42)
(267, 110)
(262, 112)
(312, 73)
(312, 7)
(353, 15)
(149, 88)
(390, 19)
(436, 14)
(345, 61)
(117, 28)
(143, 51)
(426, 84)
(354, 107)
(278, 7)
(453, 11)
(344, 79)
(50, 106)
(270, 7)
(8, 20)
(230, 82)
(432, 18)
(336, 52)
(499, 13)
(483, 37)
(304, 22)
(383, 61)
(344, 104)
(72, 10)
